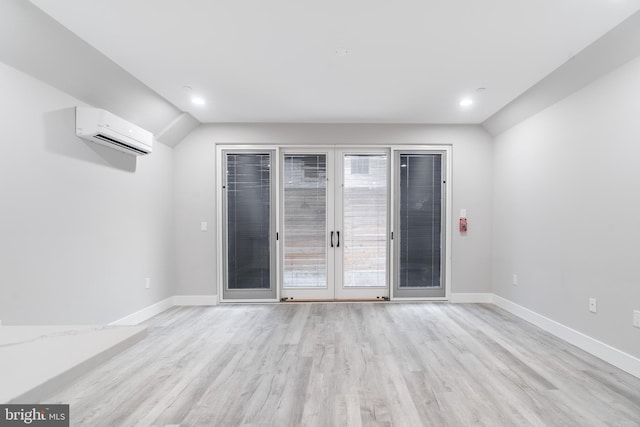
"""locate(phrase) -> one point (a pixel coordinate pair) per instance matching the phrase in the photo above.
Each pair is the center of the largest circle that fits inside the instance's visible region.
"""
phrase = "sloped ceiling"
(618, 46)
(36, 44)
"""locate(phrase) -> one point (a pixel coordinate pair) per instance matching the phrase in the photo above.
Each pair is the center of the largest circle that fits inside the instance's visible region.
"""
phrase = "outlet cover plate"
(593, 305)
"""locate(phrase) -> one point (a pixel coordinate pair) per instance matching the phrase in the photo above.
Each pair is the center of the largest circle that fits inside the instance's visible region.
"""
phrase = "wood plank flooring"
(351, 364)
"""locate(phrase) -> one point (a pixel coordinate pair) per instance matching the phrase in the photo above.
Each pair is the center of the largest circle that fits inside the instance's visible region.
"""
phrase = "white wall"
(81, 225)
(195, 191)
(567, 191)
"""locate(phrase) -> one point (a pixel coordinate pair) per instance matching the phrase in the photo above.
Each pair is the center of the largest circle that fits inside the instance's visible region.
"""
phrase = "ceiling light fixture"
(466, 102)
(197, 100)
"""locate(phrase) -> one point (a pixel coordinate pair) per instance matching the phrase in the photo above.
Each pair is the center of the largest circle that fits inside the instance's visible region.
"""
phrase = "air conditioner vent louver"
(118, 143)
(104, 128)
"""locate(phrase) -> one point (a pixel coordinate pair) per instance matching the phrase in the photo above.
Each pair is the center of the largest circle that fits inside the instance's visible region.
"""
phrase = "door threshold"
(378, 299)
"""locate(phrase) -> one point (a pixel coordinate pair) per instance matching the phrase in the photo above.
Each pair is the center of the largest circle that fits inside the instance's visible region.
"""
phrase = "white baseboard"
(157, 308)
(144, 314)
(195, 300)
(471, 298)
(617, 358)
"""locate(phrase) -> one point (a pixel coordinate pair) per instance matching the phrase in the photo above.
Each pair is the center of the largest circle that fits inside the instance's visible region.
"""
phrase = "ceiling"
(331, 61)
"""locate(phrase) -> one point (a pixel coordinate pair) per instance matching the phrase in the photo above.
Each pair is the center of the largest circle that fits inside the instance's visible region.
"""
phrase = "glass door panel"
(307, 262)
(361, 220)
(365, 220)
(249, 264)
(305, 220)
(420, 225)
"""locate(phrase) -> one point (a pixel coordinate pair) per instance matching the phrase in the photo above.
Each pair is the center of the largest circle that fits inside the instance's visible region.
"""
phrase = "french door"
(335, 224)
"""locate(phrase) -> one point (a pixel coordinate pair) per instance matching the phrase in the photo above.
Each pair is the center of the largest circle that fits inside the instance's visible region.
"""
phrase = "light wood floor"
(351, 364)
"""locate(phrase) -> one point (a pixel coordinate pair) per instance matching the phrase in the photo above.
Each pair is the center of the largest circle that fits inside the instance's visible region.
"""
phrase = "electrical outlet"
(147, 283)
(593, 305)
(514, 280)
(204, 226)
(636, 318)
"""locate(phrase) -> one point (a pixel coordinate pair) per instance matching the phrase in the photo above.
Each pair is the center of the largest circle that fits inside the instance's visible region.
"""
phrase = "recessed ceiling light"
(466, 102)
(197, 100)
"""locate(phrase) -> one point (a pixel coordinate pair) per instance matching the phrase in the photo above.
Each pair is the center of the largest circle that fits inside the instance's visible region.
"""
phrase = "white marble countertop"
(36, 356)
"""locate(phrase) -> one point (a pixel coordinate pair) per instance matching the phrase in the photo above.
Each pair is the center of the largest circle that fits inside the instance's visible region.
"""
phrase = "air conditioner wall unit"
(102, 127)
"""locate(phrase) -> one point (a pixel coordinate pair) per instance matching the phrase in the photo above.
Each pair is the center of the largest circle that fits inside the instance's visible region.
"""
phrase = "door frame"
(393, 149)
(446, 149)
(220, 214)
(308, 293)
(365, 293)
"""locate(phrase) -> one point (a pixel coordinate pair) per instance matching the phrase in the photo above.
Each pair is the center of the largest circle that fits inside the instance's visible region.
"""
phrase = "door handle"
(338, 233)
(332, 239)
